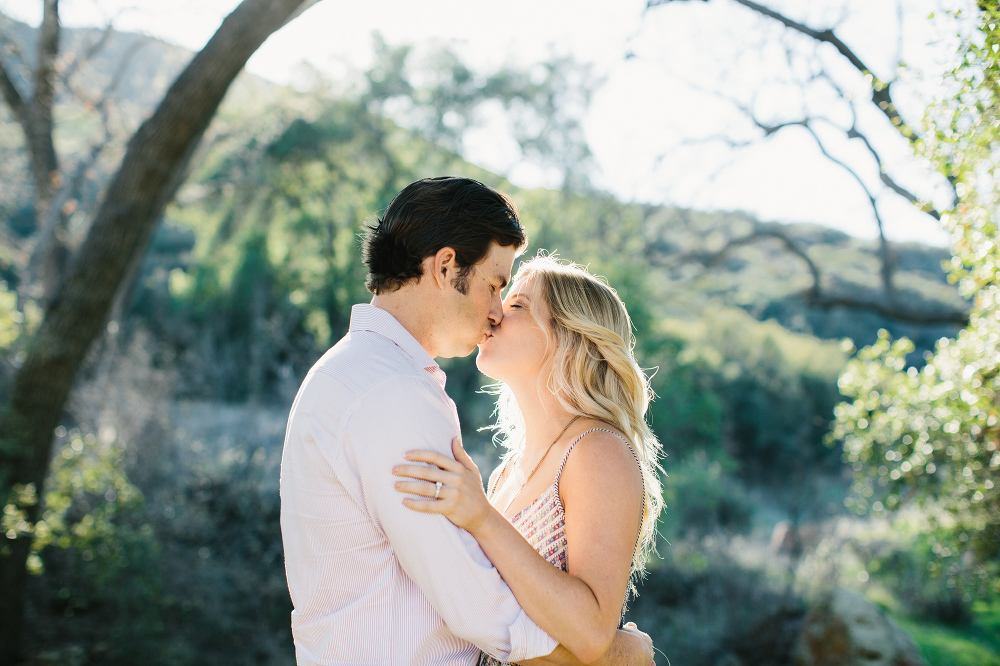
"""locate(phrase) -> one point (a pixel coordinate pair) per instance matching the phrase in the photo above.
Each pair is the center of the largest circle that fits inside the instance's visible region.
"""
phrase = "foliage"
(977, 645)
(95, 551)
(87, 493)
(753, 391)
(716, 613)
(932, 434)
(252, 275)
(699, 500)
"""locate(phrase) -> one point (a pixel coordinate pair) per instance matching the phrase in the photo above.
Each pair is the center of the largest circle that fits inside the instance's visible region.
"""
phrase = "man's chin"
(459, 352)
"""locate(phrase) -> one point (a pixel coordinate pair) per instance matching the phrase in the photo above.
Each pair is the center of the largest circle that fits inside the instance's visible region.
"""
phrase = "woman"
(578, 487)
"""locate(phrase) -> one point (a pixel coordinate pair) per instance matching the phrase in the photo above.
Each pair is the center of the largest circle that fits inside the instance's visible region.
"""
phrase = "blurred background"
(796, 201)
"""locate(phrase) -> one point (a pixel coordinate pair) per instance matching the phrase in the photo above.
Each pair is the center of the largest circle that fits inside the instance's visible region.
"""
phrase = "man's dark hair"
(433, 213)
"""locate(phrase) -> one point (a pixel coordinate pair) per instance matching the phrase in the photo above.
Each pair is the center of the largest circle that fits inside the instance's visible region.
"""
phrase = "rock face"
(846, 629)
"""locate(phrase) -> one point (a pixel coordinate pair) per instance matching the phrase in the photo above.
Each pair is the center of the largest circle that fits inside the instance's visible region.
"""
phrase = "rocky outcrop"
(845, 629)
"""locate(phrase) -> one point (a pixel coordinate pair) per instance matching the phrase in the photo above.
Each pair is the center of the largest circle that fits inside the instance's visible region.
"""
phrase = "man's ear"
(443, 267)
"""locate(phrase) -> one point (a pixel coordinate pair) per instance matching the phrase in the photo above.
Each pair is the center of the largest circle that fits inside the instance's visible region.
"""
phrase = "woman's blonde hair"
(594, 375)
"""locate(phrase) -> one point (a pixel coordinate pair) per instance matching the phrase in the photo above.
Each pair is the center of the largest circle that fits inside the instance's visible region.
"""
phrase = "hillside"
(251, 276)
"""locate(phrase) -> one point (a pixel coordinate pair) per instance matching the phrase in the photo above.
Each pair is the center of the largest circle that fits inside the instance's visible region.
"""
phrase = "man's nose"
(496, 312)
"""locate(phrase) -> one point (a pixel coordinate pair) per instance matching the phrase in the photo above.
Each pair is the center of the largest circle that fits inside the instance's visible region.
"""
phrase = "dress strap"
(497, 477)
(621, 620)
(570, 449)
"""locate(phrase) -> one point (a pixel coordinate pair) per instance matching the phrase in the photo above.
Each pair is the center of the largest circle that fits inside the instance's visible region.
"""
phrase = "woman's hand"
(461, 498)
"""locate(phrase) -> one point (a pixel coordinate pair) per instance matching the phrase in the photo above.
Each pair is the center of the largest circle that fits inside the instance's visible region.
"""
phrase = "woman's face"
(518, 347)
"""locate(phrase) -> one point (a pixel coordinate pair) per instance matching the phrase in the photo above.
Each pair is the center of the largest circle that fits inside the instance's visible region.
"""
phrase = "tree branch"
(14, 245)
(762, 233)
(893, 311)
(96, 47)
(816, 295)
(13, 97)
(888, 181)
(43, 152)
(854, 133)
(888, 265)
(150, 172)
(881, 95)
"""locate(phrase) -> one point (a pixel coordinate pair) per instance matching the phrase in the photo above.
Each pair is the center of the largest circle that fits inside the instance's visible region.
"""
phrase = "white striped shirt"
(371, 581)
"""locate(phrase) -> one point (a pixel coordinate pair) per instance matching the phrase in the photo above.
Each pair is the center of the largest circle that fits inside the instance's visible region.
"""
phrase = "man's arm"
(444, 561)
(630, 647)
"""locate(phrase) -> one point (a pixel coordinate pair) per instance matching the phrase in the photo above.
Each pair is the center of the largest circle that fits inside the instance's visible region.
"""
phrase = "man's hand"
(630, 647)
(642, 644)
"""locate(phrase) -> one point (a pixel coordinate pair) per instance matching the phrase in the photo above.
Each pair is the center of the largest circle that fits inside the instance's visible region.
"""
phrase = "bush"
(700, 500)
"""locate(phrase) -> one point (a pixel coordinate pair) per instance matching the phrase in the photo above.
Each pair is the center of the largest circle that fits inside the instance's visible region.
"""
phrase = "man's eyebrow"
(503, 281)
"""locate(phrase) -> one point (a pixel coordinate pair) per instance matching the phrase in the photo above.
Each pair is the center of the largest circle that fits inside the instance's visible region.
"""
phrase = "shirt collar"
(367, 317)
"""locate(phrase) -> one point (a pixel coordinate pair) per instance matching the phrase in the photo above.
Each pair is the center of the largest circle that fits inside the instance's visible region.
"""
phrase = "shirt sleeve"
(444, 561)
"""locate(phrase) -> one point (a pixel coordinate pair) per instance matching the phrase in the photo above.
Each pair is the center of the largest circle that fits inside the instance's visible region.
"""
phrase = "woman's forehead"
(522, 286)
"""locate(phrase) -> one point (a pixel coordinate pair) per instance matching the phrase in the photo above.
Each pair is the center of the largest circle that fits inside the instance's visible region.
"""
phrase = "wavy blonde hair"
(594, 375)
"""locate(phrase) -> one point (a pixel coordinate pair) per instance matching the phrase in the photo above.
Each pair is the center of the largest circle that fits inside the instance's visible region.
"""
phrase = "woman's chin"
(484, 364)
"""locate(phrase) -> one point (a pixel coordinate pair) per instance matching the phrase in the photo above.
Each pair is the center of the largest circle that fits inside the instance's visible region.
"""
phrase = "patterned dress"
(543, 524)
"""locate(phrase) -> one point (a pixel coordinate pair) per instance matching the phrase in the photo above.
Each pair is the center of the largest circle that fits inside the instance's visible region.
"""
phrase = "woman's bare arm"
(630, 647)
(601, 488)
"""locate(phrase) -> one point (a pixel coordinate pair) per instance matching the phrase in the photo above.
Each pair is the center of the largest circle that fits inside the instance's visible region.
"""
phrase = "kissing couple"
(394, 553)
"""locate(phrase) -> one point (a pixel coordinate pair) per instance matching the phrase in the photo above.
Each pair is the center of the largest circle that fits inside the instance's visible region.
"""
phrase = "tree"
(932, 435)
(823, 66)
(152, 168)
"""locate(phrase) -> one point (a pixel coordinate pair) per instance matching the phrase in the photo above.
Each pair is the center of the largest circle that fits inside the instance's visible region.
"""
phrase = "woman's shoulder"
(601, 449)
(601, 475)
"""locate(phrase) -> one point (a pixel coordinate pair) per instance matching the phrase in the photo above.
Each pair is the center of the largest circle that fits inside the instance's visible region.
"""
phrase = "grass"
(975, 645)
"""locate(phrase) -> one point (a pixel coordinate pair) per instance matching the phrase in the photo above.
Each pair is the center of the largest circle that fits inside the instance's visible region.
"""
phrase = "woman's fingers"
(433, 458)
(460, 455)
(424, 473)
(417, 488)
(425, 505)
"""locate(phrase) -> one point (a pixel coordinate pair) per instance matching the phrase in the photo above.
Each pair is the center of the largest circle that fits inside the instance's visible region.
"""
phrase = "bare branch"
(854, 133)
(12, 96)
(96, 47)
(888, 181)
(894, 311)
(48, 49)
(14, 245)
(881, 95)
(123, 64)
(762, 233)
(816, 295)
(46, 239)
(44, 163)
(888, 265)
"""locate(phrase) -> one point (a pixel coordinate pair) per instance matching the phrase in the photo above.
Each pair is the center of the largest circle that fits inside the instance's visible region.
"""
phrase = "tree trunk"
(150, 172)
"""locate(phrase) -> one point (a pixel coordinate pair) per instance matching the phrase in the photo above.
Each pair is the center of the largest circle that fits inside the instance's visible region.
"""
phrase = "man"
(371, 581)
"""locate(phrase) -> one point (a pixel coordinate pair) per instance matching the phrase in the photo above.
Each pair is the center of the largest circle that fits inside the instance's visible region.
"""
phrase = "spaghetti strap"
(496, 477)
(575, 441)
(621, 620)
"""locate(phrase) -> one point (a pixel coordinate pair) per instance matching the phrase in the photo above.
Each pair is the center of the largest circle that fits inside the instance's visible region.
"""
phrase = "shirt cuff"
(528, 641)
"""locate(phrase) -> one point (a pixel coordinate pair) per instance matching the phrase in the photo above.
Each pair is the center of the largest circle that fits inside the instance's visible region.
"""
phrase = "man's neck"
(407, 306)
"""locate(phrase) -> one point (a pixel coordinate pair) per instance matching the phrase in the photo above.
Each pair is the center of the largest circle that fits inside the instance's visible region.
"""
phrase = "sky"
(658, 127)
